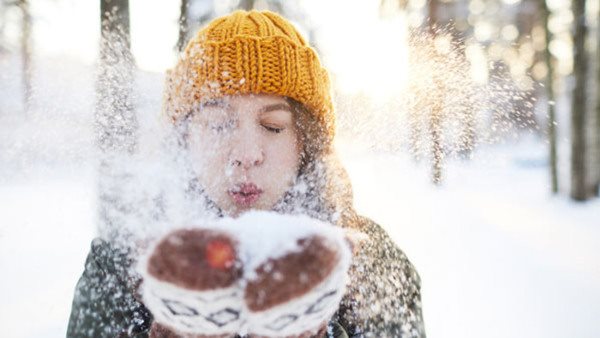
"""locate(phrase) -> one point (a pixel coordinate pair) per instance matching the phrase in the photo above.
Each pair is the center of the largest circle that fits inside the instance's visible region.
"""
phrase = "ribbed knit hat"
(249, 53)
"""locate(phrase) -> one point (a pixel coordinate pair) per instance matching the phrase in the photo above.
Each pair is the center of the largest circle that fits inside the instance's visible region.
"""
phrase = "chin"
(238, 211)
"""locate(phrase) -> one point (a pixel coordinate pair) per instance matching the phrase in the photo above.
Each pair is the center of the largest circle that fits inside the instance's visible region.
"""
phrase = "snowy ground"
(498, 255)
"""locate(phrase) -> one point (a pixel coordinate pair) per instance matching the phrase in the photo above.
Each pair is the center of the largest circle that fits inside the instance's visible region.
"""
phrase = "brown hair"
(328, 193)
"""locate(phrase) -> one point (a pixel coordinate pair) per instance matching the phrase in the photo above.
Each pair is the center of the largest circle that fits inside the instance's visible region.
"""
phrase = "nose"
(247, 151)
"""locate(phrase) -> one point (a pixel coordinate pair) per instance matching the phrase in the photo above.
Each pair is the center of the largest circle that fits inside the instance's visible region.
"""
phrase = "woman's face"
(244, 150)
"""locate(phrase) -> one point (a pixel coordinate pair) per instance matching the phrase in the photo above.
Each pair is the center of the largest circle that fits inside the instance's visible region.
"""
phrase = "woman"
(252, 104)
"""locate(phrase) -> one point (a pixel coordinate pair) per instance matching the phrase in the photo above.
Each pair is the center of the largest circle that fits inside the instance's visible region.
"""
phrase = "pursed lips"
(245, 194)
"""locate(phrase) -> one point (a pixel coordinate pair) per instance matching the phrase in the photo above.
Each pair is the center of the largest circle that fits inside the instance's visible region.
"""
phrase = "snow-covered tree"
(581, 188)
(549, 84)
(116, 125)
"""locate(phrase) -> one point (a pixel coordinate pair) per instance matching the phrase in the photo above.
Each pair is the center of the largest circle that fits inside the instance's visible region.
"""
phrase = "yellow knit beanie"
(249, 53)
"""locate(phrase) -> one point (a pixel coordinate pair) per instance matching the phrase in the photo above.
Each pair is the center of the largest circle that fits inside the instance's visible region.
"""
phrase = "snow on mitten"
(191, 282)
(279, 276)
(296, 276)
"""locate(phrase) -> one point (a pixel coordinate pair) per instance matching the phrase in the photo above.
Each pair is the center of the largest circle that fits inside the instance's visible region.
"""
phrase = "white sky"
(363, 52)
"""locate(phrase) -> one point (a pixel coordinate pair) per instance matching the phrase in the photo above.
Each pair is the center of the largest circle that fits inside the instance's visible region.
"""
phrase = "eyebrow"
(215, 103)
(274, 107)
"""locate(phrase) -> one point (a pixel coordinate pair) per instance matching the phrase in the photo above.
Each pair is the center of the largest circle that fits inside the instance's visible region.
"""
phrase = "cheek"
(285, 155)
(207, 155)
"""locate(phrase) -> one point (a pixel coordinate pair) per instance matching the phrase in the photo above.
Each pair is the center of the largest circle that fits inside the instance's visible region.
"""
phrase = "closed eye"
(273, 129)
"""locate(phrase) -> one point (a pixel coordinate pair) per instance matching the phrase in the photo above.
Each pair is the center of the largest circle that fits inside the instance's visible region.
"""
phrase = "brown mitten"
(295, 295)
(296, 287)
(263, 274)
(190, 283)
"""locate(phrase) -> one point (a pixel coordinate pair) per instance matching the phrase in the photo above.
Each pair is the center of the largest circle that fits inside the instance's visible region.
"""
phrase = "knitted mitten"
(297, 293)
(266, 275)
(190, 282)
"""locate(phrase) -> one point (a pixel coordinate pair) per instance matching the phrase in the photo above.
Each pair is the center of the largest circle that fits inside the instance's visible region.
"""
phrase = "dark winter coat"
(383, 299)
